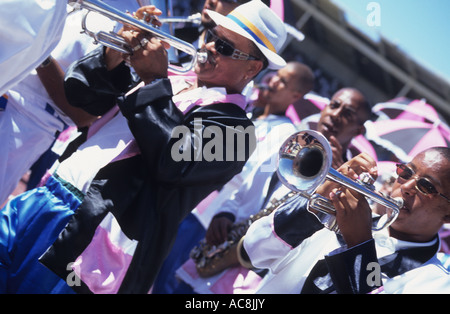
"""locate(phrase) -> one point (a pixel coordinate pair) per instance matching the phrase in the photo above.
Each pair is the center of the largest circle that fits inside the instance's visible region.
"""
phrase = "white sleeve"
(270, 239)
(249, 198)
(30, 30)
(430, 278)
(262, 245)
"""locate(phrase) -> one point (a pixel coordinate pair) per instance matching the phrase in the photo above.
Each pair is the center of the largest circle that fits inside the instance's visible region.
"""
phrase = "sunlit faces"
(423, 214)
(283, 88)
(344, 116)
(224, 71)
(423, 185)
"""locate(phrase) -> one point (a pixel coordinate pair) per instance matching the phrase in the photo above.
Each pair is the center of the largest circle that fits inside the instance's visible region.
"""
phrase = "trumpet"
(195, 19)
(115, 41)
(304, 163)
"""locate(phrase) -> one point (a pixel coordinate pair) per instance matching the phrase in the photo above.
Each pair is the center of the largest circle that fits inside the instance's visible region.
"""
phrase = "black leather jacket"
(149, 194)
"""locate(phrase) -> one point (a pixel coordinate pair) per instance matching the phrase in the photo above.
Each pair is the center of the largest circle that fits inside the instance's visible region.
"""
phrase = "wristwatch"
(46, 62)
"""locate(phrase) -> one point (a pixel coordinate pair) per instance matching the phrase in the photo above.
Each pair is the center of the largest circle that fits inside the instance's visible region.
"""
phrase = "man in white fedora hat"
(107, 216)
(256, 22)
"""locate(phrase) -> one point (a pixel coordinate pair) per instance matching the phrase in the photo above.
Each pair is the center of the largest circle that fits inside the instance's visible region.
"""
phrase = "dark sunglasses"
(423, 185)
(225, 48)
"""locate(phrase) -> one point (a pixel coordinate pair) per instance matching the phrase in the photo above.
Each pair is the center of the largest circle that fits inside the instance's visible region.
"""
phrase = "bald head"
(302, 75)
(437, 158)
(358, 98)
(287, 86)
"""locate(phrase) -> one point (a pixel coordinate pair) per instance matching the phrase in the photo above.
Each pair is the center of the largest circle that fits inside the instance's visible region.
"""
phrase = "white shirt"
(243, 195)
(30, 30)
(289, 267)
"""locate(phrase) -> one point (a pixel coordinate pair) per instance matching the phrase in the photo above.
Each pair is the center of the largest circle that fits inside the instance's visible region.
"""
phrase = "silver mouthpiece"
(202, 56)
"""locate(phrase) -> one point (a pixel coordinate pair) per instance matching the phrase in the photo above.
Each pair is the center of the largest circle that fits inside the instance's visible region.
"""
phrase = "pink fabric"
(235, 280)
(292, 114)
(234, 98)
(363, 145)
(388, 126)
(318, 101)
(432, 139)
(444, 129)
(386, 167)
(206, 202)
(187, 104)
(278, 7)
(207, 98)
(97, 125)
(425, 111)
(444, 234)
(102, 265)
(66, 134)
(305, 107)
(189, 268)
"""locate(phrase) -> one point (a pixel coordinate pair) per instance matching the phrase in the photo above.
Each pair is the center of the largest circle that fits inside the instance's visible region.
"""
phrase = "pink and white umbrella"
(406, 109)
(360, 144)
(407, 138)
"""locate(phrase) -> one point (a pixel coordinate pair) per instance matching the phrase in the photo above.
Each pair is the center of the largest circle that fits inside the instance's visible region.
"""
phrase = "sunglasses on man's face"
(225, 48)
(423, 185)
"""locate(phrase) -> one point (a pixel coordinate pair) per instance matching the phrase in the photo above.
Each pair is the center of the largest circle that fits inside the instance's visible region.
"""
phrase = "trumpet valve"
(368, 181)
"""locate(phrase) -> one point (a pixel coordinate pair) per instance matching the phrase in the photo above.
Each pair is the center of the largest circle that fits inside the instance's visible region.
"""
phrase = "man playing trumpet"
(108, 214)
(400, 259)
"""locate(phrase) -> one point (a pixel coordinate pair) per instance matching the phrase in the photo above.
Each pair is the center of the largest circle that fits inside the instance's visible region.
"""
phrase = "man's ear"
(255, 66)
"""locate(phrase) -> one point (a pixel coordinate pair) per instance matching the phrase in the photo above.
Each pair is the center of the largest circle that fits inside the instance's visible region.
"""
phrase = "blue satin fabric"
(29, 224)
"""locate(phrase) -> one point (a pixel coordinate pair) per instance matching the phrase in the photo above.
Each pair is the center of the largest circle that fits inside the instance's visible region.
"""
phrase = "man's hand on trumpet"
(148, 54)
(148, 14)
(351, 169)
(353, 213)
(149, 58)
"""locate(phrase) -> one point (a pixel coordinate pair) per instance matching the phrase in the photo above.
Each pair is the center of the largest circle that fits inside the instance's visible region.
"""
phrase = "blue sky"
(421, 28)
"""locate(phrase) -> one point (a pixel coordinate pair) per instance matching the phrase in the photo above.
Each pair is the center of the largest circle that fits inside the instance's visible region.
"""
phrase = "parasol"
(406, 109)
(406, 138)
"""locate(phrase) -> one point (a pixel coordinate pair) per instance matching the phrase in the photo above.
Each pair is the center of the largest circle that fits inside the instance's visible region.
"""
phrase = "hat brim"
(275, 61)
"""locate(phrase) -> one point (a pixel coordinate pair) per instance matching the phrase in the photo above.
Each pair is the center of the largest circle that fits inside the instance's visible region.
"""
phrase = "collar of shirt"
(203, 96)
(388, 245)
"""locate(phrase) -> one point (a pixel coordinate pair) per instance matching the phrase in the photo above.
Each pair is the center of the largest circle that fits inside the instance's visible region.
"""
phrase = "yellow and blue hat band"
(252, 30)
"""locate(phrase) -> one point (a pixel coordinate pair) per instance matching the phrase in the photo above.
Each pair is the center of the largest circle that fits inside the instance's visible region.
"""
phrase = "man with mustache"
(108, 214)
(341, 121)
(400, 259)
(272, 126)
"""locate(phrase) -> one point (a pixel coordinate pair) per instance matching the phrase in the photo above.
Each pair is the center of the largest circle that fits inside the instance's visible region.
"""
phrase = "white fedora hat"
(257, 22)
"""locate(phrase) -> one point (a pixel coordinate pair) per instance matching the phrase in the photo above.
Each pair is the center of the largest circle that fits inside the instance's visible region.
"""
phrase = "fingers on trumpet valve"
(149, 14)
